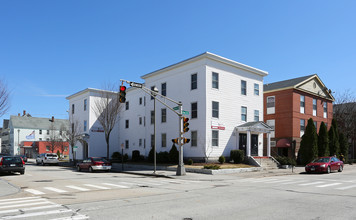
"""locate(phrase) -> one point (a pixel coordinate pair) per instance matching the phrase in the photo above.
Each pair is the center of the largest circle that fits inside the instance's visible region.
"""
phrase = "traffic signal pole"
(180, 168)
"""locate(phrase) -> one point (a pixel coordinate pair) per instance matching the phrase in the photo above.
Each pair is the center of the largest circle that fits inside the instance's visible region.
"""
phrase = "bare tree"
(53, 138)
(4, 98)
(106, 108)
(71, 134)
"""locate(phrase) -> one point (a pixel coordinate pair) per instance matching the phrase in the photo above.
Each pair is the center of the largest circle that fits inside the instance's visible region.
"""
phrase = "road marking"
(278, 181)
(308, 184)
(331, 184)
(293, 182)
(30, 209)
(116, 185)
(60, 211)
(346, 187)
(264, 180)
(78, 188)
(95, 186)
(35, 192)
(21, 201)
(76, 217)
(29, 204)
(55, 189)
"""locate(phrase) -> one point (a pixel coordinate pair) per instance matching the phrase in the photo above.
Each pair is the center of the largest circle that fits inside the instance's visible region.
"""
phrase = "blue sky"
(52, 49)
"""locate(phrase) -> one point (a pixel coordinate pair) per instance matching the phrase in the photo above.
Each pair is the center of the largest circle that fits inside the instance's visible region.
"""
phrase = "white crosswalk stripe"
(34, 207)
(347, 187)
(34, 192)
(330, 184)
(312, 183)
(96, 186)
(55, 189)
(78, 188)
(116, 185)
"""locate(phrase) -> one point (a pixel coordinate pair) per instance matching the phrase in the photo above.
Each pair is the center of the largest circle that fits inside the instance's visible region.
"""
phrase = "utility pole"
(180, 168)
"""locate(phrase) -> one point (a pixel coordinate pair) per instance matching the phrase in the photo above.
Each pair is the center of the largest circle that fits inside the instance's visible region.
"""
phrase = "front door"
(254, 145)
(243, 142)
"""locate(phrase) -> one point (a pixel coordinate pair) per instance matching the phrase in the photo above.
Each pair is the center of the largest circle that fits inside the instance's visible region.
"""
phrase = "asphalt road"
(52, 192)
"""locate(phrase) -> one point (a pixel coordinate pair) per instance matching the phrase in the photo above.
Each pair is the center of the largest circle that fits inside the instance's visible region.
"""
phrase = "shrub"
(116, 156)
(173, 155)
(163, 157)
(58, 154)
(237, 156)
(126, 158)
(286, 161)
(150, 156)
(221, 159)
(212, 166)
(190, 162)
(136, 156)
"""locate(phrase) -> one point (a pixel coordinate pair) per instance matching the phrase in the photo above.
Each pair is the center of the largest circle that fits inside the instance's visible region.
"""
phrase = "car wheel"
(22, 172)
(341, 168)
(91, 169)
(78, 168)
(328, 170)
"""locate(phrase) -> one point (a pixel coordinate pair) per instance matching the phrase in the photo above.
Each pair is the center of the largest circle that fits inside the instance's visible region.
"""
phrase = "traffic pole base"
(181, 170)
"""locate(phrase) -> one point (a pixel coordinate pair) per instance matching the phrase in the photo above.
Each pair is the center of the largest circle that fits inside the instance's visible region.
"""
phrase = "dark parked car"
(12, 164)
(325, 165)
(94, 163)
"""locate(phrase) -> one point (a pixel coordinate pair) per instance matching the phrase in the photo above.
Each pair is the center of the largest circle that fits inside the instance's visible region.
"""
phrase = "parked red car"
(325, 165)
(93, 164)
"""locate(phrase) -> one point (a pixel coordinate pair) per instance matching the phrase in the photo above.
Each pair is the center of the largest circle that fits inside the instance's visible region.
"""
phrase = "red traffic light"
(122, 88)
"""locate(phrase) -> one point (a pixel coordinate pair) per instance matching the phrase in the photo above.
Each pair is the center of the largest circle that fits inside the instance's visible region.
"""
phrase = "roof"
(37, 123)
(88, 90)
(258, 126)
(212, 57)
(286, 83)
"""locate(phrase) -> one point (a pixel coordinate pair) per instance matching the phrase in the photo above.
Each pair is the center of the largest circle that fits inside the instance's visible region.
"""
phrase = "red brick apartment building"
(33, 148)
(289, 104)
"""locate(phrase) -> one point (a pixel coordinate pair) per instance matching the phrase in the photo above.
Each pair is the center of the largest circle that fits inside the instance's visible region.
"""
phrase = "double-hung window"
(164, 89)
(194, 136)
(243, 87)
(163, 115)
(127, 123)
(215, 80)
(243, 113)
(256, 89)
(194, 81)
(302, 127)
(215, 138)
(194, 107)
(325, 109)
(164, 140)
(314, 107)
(215, 112)
(85, 104)
(302, 104)
(257, 115)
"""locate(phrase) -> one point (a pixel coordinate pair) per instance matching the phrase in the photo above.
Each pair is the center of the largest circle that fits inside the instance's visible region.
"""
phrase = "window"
(215, 113)
(144, 121)
(215, 80)
(72, 128)
(243, 87)
(144, 101)
(127, 105)
(85, 104)
(40, 131)
(47, 131)
(194, 81)
(194, 107)
(127, 123)
(243, 113)
(152, 117)
(152, 140)
(164, 89)
(271, 123)
(47, 139)
(140, 101)
(325, 109)
(271, 105)
(257, 115)
(302, 127)
(127, 144)
(72, 108)
(316, 125)
(163, 115)
(65, 148)
(302, 104)
(40, 139)
(144, 143)
(140, 120)
(257, 89)
(85, 125)
(48, 148)
(194, 137)
(140, 142)
(164, 140)
(314, 107)
(215, 138)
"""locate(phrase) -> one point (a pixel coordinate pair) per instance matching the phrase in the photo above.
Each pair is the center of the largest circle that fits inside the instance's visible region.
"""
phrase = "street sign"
(176, 108)
(185, 112)
(137, 85)
(75, 147)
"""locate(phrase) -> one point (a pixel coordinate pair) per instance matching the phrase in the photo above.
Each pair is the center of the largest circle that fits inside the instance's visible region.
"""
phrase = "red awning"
(283, 143)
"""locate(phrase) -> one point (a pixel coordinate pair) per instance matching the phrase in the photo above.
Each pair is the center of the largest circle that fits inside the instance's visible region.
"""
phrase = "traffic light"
(186, 140)
(175, 141)
(185, 124)
(122, 95)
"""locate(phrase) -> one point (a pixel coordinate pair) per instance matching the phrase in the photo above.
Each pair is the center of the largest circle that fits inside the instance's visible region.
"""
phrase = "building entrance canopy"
(256, 127)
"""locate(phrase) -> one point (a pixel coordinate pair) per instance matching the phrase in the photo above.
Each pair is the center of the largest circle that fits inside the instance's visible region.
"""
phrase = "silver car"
(47, 158)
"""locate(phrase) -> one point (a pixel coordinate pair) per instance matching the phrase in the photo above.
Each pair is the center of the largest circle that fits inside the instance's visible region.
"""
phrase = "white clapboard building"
(223, 99)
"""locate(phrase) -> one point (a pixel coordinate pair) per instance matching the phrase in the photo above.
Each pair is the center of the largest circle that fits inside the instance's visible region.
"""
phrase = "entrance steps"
(266, 162)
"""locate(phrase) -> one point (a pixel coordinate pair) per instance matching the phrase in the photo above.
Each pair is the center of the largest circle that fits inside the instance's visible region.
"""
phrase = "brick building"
(289, 104)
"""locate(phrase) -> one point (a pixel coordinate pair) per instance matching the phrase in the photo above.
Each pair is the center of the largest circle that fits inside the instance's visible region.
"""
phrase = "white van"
(47, 158)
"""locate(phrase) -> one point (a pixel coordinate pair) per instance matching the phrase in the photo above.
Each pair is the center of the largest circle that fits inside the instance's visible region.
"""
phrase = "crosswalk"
(36, 208)
(86, 187)
(329, 184)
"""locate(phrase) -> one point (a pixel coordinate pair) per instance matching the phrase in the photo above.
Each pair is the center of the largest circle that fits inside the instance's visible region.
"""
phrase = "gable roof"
(258, 126)
(299, 84)
(212, 57)
(37, 123)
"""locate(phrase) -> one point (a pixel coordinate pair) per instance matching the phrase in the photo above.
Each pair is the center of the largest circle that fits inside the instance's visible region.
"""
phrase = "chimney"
(24, 112)
(52, 118)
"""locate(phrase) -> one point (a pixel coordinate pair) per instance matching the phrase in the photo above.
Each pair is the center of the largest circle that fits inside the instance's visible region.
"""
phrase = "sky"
(52, 49)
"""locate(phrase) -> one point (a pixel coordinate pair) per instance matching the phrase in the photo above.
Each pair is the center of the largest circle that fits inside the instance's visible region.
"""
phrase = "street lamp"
(154, 93)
